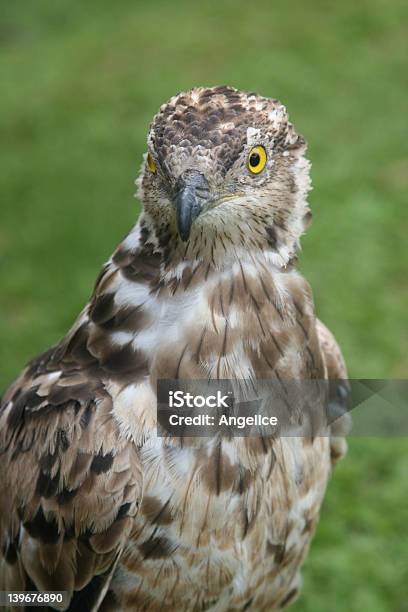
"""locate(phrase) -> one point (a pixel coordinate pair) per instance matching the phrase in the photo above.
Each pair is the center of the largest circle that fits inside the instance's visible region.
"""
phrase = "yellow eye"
(151, 164)
(257, 159)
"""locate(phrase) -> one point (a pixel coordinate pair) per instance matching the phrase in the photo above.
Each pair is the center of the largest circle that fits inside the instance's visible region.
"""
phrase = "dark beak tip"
(184, 235)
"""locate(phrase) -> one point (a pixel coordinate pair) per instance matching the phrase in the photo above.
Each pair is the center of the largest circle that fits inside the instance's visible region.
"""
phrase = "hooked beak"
(191, 195)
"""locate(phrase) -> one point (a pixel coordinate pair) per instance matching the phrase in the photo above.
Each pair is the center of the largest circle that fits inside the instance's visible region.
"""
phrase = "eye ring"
(150, 163)
(257, 159)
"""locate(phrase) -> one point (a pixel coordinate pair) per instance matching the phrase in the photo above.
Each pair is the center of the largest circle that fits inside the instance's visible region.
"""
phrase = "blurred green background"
(80, 83)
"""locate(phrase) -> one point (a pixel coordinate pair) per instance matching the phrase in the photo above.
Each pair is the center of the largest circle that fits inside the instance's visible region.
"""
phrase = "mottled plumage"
(204, 286)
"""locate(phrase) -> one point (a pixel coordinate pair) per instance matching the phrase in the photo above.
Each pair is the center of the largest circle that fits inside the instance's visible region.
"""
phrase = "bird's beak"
(192, 192)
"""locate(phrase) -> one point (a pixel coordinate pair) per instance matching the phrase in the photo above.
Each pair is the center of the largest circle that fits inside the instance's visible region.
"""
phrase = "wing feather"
(339, 391)
(70, 485)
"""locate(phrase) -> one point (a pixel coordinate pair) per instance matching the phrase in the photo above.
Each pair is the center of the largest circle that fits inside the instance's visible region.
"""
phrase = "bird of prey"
(92, 501)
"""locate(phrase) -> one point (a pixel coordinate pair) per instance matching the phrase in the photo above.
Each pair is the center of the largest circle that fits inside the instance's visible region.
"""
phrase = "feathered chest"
(247, 322)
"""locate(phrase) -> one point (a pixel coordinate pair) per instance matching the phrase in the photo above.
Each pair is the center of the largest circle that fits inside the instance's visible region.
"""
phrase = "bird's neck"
(212, 250)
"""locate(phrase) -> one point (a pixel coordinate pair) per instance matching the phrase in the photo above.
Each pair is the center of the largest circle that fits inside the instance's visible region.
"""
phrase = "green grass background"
(80, 82)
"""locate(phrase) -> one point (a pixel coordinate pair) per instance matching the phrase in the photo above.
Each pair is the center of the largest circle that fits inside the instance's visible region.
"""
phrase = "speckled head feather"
(203, 138)
(217, 120)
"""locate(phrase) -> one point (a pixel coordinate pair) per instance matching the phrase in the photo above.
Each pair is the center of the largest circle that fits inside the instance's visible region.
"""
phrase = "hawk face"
(225, 171)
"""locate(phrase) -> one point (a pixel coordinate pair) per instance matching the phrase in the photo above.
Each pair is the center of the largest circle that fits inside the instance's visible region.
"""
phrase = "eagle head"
(225, 172)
